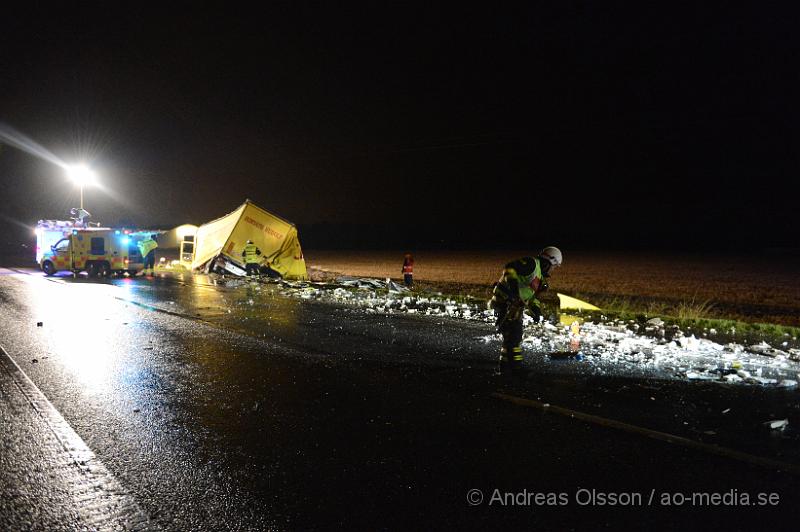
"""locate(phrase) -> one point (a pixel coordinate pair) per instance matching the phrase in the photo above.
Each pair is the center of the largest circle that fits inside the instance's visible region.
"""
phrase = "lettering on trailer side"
(273, 233)
(254, 222)
(267, 230)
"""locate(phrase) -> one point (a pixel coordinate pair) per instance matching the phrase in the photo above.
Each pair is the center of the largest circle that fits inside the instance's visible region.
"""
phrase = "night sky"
(569, 123)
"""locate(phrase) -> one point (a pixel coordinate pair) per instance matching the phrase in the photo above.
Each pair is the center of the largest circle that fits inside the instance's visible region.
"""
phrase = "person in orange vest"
(408, 270)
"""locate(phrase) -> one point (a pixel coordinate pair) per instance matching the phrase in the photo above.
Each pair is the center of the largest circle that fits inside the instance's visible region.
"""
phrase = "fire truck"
(99, 251)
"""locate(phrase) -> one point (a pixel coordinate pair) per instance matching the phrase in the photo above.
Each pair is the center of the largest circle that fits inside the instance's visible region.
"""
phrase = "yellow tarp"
(274, 236)
(567, 302)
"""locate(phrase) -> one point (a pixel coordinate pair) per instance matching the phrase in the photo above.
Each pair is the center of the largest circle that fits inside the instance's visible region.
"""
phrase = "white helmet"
(553, 254)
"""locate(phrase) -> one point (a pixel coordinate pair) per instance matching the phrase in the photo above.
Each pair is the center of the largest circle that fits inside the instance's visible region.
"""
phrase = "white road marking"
(104, 504)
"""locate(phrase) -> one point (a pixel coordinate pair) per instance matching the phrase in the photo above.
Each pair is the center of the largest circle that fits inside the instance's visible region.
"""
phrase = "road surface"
(176, 404)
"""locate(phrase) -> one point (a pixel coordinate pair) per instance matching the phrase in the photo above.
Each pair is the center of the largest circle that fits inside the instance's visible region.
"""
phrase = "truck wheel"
(104, 269)
(91, 269)
(48, 268)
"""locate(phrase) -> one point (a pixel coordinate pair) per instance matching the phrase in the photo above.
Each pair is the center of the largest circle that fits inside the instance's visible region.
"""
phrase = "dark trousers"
(150, 260)
(251, 268)
(510, 329)
(408, 279)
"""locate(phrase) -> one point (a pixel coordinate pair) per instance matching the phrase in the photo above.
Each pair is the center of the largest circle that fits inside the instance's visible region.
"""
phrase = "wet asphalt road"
(212, 408)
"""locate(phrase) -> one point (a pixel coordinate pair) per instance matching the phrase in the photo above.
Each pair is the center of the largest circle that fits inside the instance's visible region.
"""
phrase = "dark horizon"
(635, 127)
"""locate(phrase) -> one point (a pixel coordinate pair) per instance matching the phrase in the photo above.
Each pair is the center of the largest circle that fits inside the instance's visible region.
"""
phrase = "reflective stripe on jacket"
(251, 253)
(146, 246)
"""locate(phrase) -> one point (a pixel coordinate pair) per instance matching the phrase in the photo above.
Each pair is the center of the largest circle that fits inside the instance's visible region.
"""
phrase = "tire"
(104, 269)
(48, 268)
(92, 269)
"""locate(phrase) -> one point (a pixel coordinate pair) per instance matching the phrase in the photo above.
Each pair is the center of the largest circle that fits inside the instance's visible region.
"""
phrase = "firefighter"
(147, 248)
(408, 270)
(521, 281)
(251, 260)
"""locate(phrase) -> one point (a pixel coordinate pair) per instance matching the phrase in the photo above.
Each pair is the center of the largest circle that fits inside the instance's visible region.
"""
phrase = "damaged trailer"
(219, 243)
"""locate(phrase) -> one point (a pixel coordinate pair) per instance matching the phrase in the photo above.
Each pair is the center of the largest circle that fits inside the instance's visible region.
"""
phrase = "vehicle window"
(188, 248)
(98, 246)
(61, 245)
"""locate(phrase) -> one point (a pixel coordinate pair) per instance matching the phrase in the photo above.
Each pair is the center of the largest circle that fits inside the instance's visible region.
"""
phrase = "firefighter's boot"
(516, 359)
(511, 358)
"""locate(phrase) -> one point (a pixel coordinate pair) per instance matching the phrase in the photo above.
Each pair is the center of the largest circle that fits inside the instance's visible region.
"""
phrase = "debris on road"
(602, 345)
(777, 424)
(765, 349)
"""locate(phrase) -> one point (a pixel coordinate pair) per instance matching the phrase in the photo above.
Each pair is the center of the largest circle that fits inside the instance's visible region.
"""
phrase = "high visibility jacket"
(521, 279)
(251, 253)
(408, 267)
(146, 246)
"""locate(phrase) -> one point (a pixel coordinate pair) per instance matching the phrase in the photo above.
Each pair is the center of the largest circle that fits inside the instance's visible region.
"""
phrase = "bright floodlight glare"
(81, 175)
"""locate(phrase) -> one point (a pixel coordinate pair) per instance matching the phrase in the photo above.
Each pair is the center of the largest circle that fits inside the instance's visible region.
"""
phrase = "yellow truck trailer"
(220, 243)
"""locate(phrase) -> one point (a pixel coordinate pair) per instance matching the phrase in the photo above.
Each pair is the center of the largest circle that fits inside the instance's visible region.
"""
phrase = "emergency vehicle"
(99, 251)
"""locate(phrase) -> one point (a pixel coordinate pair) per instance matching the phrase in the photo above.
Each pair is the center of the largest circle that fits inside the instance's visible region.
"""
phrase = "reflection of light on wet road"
(84, 329)
(255, 308)
(126, 287)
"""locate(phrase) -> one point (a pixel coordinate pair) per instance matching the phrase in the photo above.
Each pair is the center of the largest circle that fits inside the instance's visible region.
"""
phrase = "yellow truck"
(219, 244)
(99, 252)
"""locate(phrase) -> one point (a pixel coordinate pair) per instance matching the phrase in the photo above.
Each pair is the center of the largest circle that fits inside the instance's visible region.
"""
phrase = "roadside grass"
(692, 310)
(691, 315)
(685, 309)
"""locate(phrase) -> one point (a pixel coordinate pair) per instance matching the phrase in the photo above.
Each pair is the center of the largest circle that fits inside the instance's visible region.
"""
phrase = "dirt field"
(759, 290)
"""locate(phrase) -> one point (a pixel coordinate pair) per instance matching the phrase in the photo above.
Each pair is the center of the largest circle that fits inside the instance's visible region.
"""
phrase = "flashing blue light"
(126, 240)
(116, 232)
